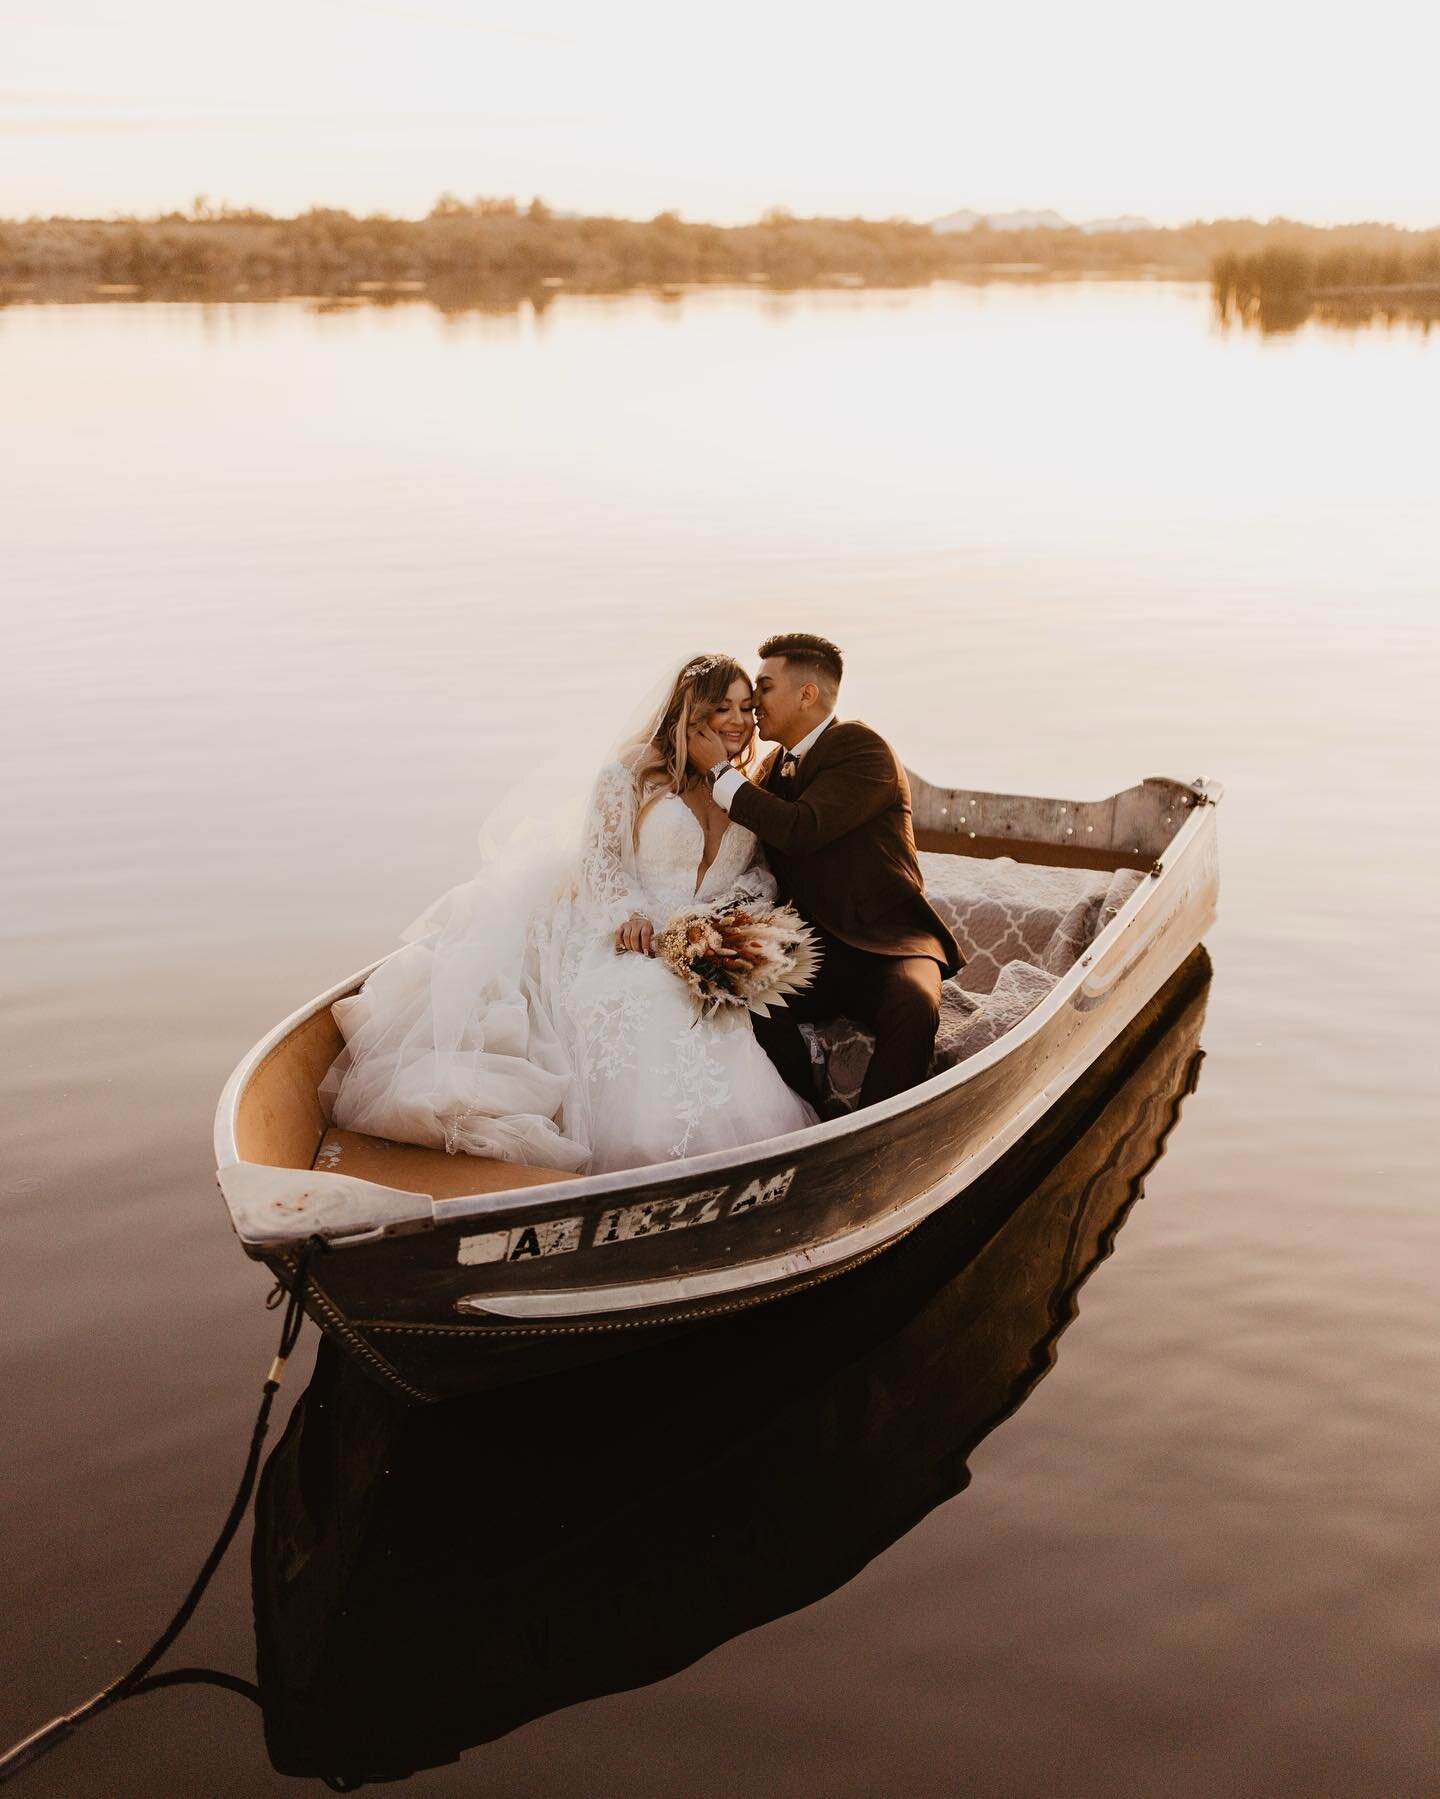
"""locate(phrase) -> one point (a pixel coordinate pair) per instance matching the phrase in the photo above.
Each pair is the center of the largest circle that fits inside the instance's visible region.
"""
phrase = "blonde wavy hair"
(661, 760)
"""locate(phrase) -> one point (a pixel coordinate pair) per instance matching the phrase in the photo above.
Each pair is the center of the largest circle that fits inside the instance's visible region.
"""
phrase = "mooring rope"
(49, 1736)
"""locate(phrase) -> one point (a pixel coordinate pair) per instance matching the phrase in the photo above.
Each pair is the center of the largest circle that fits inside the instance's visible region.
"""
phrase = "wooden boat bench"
(285, 1126)
(414, 1169)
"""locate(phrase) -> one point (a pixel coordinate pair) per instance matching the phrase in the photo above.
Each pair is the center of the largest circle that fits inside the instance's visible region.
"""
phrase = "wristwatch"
(712, 775)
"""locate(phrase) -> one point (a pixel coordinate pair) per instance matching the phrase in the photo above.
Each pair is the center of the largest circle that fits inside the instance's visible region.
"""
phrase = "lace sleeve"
(608, 882)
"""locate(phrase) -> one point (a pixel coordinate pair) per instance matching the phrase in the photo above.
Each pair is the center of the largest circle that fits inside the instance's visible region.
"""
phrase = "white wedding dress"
(509, 1026)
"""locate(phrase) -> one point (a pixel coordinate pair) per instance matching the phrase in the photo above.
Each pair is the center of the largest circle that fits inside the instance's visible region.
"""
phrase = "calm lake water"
(290, 595)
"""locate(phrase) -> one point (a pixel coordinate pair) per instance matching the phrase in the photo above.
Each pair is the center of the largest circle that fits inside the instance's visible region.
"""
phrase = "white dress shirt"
(729, 784)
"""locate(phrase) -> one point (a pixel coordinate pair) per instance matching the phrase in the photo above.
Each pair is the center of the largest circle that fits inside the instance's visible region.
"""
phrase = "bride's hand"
(704, 749)
(637, 933)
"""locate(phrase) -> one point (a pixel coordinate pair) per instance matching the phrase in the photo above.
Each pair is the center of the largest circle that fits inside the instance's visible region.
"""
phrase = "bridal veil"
(455, 1041)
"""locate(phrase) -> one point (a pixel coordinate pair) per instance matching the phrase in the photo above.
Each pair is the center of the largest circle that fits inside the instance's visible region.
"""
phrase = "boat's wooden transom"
(1048, 855)
(1132, 829)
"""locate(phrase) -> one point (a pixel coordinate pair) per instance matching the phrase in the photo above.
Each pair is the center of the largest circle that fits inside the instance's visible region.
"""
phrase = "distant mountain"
(1001, 221)
(967, 220)
(1127, 221)
(957, 221)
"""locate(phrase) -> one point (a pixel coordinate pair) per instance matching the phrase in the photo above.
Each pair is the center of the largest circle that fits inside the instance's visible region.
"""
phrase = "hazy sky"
(1322, 111)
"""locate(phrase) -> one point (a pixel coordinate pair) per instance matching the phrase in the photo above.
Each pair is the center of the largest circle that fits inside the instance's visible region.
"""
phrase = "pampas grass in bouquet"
(740, 955)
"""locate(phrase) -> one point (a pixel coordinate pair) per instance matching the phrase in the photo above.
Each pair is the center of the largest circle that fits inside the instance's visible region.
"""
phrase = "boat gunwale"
(733, 1162)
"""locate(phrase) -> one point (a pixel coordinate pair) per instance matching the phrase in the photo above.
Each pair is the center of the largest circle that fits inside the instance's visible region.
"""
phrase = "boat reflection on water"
(429, 1580)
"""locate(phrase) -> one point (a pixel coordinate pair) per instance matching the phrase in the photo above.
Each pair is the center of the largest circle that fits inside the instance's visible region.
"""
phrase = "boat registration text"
(620, 1224)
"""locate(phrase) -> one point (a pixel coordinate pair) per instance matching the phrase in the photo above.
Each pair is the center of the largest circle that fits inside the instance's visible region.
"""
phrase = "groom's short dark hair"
(808, 651)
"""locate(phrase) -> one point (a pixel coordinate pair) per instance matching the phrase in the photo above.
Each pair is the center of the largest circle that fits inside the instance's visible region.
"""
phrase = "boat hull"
(440, 1356)
(457, 1295)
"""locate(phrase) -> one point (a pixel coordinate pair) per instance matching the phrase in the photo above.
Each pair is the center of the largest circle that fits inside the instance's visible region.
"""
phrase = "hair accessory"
(703, 665)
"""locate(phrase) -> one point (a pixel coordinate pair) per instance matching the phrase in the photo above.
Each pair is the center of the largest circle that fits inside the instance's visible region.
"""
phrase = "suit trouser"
(897, 997)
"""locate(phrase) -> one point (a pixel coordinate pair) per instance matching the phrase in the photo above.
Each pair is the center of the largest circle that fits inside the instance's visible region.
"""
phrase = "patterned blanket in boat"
(1019, 927)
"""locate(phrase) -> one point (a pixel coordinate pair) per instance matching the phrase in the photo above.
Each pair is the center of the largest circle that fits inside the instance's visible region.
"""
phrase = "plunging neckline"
(703, 868)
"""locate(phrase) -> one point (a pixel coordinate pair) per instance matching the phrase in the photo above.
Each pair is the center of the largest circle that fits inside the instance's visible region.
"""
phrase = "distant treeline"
(495, 242)
(499, 247)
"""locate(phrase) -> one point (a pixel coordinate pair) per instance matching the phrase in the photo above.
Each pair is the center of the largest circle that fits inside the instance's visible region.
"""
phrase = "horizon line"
(202, 211)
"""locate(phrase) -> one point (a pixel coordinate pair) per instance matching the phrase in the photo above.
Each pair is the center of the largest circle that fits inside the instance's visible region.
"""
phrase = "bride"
(526, 1017)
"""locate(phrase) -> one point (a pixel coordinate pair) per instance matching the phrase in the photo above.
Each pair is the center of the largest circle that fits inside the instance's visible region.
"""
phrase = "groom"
(832, 807)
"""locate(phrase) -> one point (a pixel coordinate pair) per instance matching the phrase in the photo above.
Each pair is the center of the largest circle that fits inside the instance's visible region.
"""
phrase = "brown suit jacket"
(842, 847)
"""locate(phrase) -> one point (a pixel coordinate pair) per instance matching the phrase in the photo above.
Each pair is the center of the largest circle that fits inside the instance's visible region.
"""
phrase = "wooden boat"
(426, 1580)
(448, 1274)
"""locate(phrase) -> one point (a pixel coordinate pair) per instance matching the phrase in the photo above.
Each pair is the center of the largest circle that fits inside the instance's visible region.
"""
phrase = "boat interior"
(280, 1120)
(281, 1123)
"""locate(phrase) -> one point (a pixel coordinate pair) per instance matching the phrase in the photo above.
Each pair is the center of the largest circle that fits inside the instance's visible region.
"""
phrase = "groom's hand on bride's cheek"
(706, 749)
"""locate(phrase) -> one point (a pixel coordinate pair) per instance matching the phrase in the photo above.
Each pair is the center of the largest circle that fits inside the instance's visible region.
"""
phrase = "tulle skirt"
(508, 1026)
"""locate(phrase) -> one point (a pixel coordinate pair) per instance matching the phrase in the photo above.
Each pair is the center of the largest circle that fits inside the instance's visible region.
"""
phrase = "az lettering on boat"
(554, 1237)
